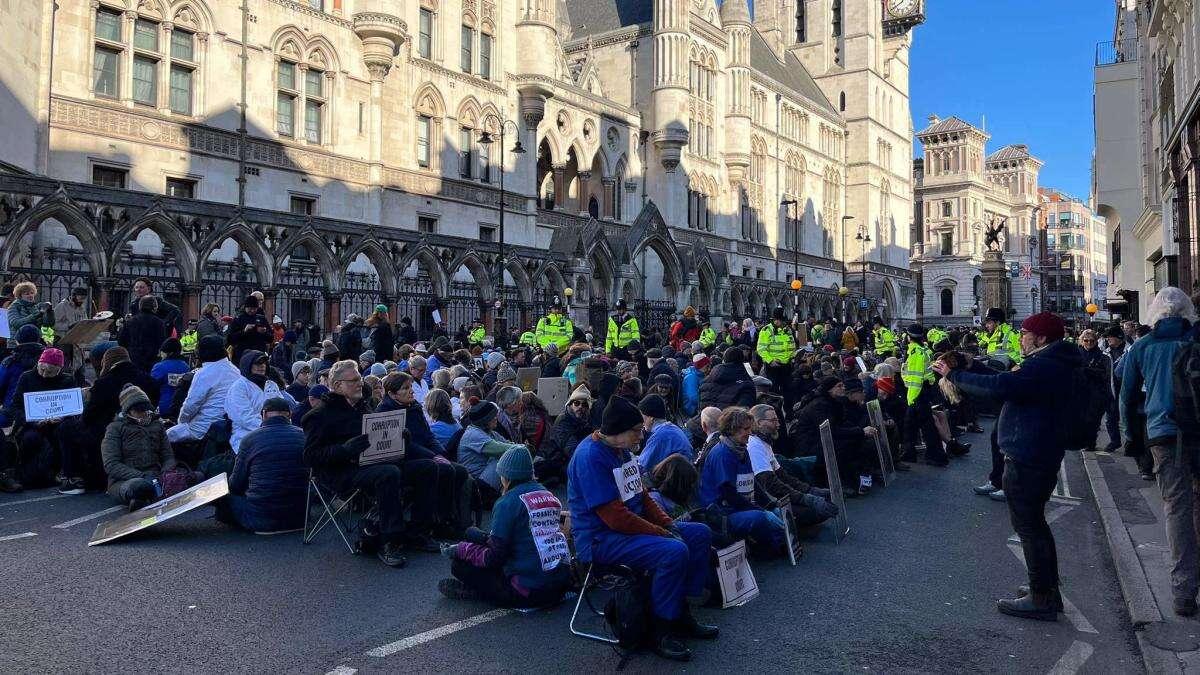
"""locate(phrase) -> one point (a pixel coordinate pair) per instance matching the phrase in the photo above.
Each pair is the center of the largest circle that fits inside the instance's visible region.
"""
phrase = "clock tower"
(858, 53)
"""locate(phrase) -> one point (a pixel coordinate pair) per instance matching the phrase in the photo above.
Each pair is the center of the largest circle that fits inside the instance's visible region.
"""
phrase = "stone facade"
(336, 154)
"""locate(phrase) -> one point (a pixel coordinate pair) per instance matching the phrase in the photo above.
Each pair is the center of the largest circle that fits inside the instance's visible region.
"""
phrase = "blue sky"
(1024, 64)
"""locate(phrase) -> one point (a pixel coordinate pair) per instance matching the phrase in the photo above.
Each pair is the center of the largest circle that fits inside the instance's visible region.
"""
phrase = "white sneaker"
(998, 496)
(985, 489)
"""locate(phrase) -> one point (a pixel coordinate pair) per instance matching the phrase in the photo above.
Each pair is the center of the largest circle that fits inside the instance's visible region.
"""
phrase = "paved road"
(911, 590)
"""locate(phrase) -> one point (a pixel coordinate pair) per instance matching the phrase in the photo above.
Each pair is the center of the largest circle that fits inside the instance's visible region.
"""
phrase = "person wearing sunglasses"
(1097, 366)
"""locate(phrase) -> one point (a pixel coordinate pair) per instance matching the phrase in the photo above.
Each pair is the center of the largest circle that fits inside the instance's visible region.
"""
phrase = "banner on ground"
(841, 525)
(53, 405)
(385, 431)
(198, 495)
(733, 571)
(795, 546)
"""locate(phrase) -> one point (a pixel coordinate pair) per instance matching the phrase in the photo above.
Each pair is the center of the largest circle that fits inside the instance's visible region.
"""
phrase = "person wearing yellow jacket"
(528, 339)
(885, 340)
(919, 381)
(936, 336)
(777, 346)
(708, 336)
(622, 329)
(997, 337)
(555, 328)
(476, 334)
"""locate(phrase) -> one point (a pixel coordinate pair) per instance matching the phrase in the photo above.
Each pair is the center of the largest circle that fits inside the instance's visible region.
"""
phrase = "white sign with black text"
(733, 571)
(385, 431)
(53, 405)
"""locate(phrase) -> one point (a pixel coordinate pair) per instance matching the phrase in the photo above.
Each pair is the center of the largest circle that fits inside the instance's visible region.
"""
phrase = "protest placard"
(841, 526)
(198, 495)
(795, 546)
(882, 446)
(527, 378)
(53, 405)
(554, 392)
(85, 332)
(733, 571)
(385, 431)
(437, 316)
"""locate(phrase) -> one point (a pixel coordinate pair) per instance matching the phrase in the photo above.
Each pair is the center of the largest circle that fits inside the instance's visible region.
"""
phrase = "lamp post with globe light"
(486, 139)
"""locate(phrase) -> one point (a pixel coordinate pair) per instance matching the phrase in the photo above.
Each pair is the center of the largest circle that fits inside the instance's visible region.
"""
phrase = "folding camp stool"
(333, 510)
(600, 577)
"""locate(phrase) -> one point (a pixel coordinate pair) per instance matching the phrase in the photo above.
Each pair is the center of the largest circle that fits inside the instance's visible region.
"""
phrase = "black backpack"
(1185, 388)
(1079, 429)
(628, 615)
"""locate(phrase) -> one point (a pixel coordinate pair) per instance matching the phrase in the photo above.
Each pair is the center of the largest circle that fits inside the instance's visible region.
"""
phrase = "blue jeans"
(680, 567)
(763, 527)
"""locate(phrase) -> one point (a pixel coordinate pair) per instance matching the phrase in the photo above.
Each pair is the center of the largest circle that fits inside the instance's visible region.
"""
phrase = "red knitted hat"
(1046, 324)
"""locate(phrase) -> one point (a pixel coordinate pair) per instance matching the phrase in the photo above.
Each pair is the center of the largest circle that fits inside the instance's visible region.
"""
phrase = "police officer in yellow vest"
(476, 334)
(935, 336)
(528, 339)
(189, 340)
(622, 329)
(885, 339)
(919, 381)
(997, 337)
(554, 328)
(777, 346)
(708, 336)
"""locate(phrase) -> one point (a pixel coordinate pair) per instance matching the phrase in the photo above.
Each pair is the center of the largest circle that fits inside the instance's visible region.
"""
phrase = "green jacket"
(131, 450)
(776, 346)
(476, 336)
(556, 328)
(708, 337)
(885, 341)
(1002, 340)
(916, 371)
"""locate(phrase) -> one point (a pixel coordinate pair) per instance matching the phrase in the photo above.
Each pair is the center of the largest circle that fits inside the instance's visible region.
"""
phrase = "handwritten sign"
(544, 525)
(4, 332)
(385, 431)
(527, 378)
(554, 392)
(629, 480)
(53, 405)
(733, 571)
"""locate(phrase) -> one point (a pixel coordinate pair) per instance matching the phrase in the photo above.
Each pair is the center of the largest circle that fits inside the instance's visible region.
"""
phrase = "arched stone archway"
(228, 275)
(49, 254)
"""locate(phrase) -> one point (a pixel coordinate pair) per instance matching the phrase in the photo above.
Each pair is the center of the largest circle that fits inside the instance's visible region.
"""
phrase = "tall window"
(947, 301)
(946, 209)
(106, 68)
(145, 62)
(947, 243)
(800, 20)
(485, 56)
(425, 34)
(285, 104)
(314, 104)
(423, 125)
(837, 18)
(183, 67)
(467, 57)
(484, 150)
(465, 144)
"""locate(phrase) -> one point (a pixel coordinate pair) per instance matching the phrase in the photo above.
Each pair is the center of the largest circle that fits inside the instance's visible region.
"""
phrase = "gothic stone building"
(470, 156)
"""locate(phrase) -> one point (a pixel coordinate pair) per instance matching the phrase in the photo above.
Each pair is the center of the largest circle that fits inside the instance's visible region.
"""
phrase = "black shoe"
(9, 484)
(688, 626)
(137, 504)
(909, 455)
(973, 428)
(392, 555)
(1033, 606)
(456, 590)
(1112, 447)
(71, 486)
(666, 645)
(422, 543)
(1055, 597)
(1184, 607)
(957, 448)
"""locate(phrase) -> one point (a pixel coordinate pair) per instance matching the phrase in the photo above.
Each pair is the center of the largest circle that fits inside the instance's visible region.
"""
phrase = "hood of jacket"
(246, 363)
(25, 356)
(1170, 328)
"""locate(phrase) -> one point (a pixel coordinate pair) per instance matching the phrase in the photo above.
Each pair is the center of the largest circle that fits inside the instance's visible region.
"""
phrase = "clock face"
(901, 7)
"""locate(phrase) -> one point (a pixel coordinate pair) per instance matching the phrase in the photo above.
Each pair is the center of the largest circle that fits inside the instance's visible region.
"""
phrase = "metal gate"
(162, 271)
(462, 305)
(56, 272)
(361, 293)
(302, 295)
(654, 318)
(415, 300)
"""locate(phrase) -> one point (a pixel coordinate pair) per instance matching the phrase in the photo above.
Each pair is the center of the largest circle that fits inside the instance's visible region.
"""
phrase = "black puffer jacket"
(725, 385)
(326, 430)
(142, 336)
(564, 437)
(805, 430)
(104, 402)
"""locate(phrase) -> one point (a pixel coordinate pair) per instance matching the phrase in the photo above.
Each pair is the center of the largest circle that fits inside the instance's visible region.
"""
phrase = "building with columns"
(960, 191)
(471, 156)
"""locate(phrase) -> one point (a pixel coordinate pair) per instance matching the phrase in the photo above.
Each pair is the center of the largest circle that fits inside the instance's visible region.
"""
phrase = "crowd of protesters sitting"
(662, 451)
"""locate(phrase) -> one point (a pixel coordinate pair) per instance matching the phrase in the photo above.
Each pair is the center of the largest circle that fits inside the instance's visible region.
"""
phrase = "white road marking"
(430, 635)
(23, 535)
(90, 516)
(34, 499)
(1076, 617)
(1074, 658)
(342, 670)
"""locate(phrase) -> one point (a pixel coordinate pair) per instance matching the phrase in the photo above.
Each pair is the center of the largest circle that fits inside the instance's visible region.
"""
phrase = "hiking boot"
(666, 645)
(1032, 606)
(957, 448)
(456, 590)
(1185, 607)
(688, 626)
(1055, 597)
(974, 428)
(422, 543)
(9, 484)
(392, 554)
(71, 486)
(998, 496)
(985, 489)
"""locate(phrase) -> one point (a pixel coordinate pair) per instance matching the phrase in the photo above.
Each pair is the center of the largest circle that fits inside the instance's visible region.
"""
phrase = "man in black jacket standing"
(249, 330)
(332, 443)
(143, 334)
(1036, 398)
(170, 314)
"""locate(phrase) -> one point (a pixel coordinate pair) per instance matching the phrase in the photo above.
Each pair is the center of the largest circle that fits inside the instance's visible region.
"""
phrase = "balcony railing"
(1116, 51)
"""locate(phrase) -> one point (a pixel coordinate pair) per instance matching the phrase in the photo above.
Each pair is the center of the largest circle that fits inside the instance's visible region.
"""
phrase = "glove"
(406, 435)
(449, 551)
(823, 507)
(356, 445)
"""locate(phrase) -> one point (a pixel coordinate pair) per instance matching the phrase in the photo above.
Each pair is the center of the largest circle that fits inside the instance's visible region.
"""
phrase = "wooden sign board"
(85, 332)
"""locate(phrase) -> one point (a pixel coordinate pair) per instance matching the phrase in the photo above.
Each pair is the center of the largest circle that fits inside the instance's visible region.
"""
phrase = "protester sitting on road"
(728, 383)
(727, 480)
(674, 486)
(614, 521)
(333, 440)
(269, 482)
(316, 395)
(710, 427)
(693, 377)
(135, 451)
(20, 360)
(664, 438)
(571, 427)
(205, 401)
(166, 373)
(437, 409)
(810, 505)
(481, 447)
(416, 368)
(822, 404)
(524, 561)
(31, 459)
(244, 401)
(301, 376)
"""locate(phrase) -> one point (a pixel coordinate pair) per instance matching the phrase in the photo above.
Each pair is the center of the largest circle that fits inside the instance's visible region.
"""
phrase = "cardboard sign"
(882, 445)
(862, 366)
(385, 430)
(554, 392)
(584, 374)
(733, 571)
(4, 332)
(198, 495)
(53, 405)
(85, 332)
(527, 378)
(478, 363)
(841, 526)
(437, 316)
(629, 480)
(795, 547)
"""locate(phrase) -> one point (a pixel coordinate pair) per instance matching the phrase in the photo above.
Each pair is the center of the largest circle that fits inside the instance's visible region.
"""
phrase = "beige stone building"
(469, 156)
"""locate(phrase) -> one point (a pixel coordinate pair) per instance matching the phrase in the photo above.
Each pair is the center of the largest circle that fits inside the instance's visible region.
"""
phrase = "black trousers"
(919, 420)
(780, 376)
(996, 477)
(450, 479)
(33, 455)
(1027, 489)
(494, 587)
(420, 476)
(382, 483)
(80, 445)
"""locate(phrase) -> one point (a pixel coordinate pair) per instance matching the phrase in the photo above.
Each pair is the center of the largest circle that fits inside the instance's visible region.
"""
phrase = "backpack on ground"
(1185, 388)
(1079, 428)
(627, 614)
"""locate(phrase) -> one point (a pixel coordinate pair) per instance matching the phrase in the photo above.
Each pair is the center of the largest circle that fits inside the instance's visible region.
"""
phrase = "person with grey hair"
(1147, 369)
(416, 368)
(810, 505)
(551, 364)
(506, 398)
(480, 449)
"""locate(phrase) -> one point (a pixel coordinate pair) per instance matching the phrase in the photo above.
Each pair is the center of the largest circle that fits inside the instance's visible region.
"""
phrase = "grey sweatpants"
(1179, 484)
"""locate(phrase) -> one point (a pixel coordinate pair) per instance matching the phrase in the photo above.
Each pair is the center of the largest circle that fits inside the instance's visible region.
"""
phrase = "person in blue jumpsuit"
(615, 522)
(727, 480)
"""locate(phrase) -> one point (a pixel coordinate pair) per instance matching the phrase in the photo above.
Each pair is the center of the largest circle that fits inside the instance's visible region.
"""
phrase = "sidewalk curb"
(1139, 600)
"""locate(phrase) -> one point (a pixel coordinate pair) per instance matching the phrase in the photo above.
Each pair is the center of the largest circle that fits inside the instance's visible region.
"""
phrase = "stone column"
(269, 297)
(333, 311)
(104, 287)
(610, 192)
(584, 191)
(995, 282)
(560, 186)
(190, 300)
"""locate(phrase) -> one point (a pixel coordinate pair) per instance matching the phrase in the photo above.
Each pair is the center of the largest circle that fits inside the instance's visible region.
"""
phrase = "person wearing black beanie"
(167, 373)
(615, 522)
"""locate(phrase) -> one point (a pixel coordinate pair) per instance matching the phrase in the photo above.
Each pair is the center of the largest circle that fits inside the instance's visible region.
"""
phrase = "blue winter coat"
(1147, 366)
(692, 378)
(23, 358)
(270, 479)
(1036, 398)
(666, 440)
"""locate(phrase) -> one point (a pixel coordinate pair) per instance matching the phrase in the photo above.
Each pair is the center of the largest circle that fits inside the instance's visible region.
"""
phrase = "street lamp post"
(844, 219)
(518, 149)
(864, 237)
